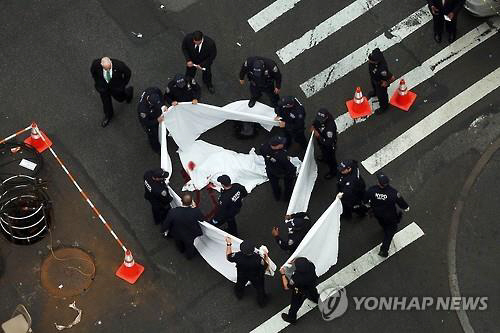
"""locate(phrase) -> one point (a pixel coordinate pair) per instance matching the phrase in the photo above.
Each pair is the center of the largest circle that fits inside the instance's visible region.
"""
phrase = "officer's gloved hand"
(340, 195)
(407, 209)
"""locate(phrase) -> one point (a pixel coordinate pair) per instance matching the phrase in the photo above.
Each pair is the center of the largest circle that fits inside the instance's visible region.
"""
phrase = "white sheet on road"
(305, 181)
(212, 247)
(186, 121)
(205, 162)
(165, 161)
(321, 244)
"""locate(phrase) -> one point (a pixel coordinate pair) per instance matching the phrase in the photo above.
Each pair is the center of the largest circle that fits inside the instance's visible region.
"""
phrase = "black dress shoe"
(437, 38)
(105, 122)
(130, 94)
(288, 319)
(452, 37)
(383, 254)
(211, 90)
(251, 103)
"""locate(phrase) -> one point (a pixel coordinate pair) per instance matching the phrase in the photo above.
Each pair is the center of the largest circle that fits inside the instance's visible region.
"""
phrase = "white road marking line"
(326, 28)
(347, 275)
(270, 13)
(357, 58)
(432, 122)
(434, 64)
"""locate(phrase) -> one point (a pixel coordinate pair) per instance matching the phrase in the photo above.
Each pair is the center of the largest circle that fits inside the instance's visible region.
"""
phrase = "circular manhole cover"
(67, 272)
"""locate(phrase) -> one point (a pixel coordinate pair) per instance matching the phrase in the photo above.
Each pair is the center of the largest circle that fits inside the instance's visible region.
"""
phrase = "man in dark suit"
(445, 13)
(182, 224)
(200, 52)
(111, 77)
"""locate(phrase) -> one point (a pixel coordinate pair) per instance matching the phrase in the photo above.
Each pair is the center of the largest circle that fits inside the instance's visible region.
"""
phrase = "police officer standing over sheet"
(278, 166)
(303, 284)
(200, 52)
(382, 199)
(230, 203)
(150, 115)
(353, 186)
(250, 266)
(156, 192)
(264, 76)
(182, 89)
(292, 116)
(380, 78)
(325, 132)
(298, 225)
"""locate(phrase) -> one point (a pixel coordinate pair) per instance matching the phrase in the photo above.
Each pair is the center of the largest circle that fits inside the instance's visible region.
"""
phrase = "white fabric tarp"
(321, 244)
(305, 181)
(212, 247)
(205, 162)
(187, 121)
(165, 161)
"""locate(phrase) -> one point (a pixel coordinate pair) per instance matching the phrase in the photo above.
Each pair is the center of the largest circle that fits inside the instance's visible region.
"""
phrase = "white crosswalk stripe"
(271, 13)
(434, 64)
(326, 28)
(357, 58)
(432, 122)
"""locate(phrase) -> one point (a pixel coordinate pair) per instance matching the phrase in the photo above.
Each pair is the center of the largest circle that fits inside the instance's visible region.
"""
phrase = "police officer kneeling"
(382, 199)
(156, 192)
(150, 115)
(298, 225)
(303, 284)
(249, 267)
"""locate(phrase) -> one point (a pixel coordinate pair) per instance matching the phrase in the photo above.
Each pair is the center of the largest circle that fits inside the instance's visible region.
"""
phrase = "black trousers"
(119, 94)
(206, 74)
(231, 224)
(152, 133)
(275, 185)
(257, 283)
(439, 23)
(256, 93)
(348, 207)
(186, 247)
(297, 136)
(328, 154)
(390, 230)
(159, 211)
(381, 92)
(298, 298)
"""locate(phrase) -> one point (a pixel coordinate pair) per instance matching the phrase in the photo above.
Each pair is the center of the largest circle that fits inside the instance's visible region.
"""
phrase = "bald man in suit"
(111, 77)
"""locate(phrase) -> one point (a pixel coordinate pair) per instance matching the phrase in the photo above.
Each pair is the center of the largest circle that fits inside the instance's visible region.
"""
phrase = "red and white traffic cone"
(358, 106)
(130, 271)
(403, 98)
(36, 141)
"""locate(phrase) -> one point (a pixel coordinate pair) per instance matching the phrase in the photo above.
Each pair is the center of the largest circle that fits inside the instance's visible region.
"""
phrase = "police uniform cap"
(302, 264)
(277, 140)
(180, 80)
(247, 247)
(160, 173)
(224, 180)
(382, 179)
(344, 165)
(258, 68)
(298, 223)
(322, 115)
(287, 101)
(376, 55)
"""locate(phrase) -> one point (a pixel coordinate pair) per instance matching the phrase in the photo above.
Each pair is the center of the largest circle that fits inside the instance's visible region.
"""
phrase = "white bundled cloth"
(321, 243)
(304, 185)
(187, 121)
(212, 247)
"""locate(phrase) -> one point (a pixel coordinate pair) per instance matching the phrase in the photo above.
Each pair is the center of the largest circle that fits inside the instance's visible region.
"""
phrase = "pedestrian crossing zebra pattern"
(396, 34)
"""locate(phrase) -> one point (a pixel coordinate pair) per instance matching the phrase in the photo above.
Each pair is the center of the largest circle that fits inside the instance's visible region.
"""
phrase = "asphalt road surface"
(46, 48)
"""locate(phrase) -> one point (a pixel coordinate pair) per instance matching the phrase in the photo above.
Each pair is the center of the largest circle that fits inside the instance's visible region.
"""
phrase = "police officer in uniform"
(382, 199)
(325, 132)
(352, 185)
(380, 78)
(156, 192)
(264, 76)
(230, 203)
(150, 115)
(303, 284)
(298, 225)
(249, 267)
(278, 166)
(182, 89)
(292, 116)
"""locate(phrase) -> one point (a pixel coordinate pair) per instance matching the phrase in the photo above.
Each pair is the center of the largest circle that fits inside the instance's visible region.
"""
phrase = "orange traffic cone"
(402, 98)
(359, 106)
(35, 139)
(129, 270)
